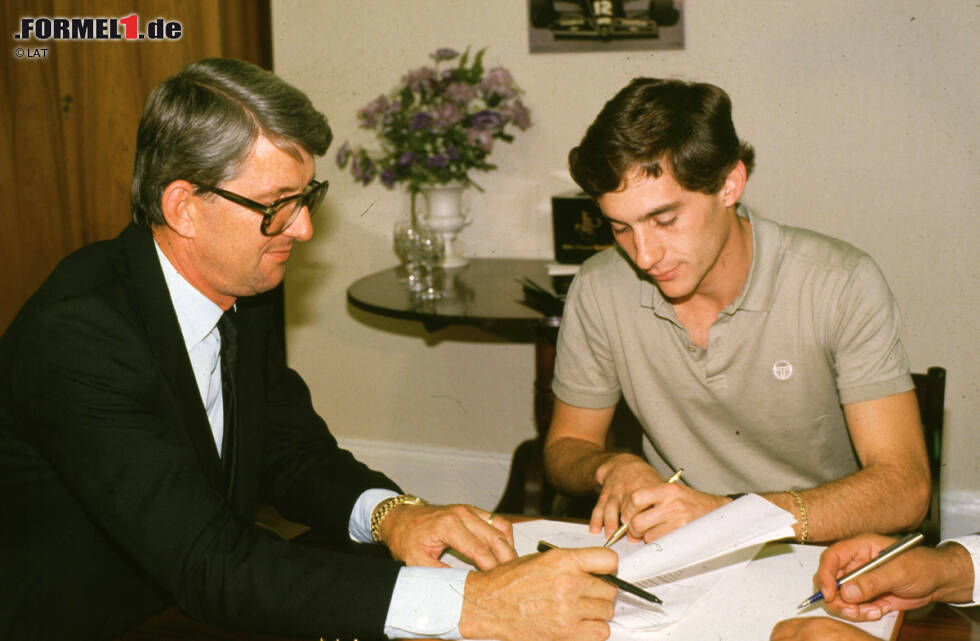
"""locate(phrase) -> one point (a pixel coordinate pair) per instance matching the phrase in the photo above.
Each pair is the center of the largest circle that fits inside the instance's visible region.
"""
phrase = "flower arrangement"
(439, 124)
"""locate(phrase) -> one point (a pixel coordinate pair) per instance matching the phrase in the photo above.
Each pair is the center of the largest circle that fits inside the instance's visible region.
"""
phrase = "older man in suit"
(146, 409)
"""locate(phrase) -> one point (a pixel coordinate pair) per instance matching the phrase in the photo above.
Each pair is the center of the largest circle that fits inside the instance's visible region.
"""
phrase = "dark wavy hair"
(201, 124)
(652, 121)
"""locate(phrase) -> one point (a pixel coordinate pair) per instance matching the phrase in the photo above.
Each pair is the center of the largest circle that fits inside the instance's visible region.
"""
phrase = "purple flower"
(362, 168)
(480, 138)
(499, 81)
(439, 160)
(343, 155)
(390, 111)
(368, 114)
(388, 177)
(487, 119)
(447, 115)
(407, 159)
(516, 112)
(443, 53)
(420, 121)
(452, 152)
(460, 92)
(420, 79)
(368, 176)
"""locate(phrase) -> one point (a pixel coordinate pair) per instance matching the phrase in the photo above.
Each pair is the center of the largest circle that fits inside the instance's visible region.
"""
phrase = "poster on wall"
(556, 26)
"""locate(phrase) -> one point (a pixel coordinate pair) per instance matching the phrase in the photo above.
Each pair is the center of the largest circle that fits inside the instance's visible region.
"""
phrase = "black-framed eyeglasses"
(280, 214)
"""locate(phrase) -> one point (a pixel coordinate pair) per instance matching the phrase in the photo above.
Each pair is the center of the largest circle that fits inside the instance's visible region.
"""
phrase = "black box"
(579, 227)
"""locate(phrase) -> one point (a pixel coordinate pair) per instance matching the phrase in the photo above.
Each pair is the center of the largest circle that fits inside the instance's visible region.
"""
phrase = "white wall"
(863, 116)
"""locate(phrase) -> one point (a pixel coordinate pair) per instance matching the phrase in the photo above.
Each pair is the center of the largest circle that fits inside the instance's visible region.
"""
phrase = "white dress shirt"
(198, 317)
(426, 602)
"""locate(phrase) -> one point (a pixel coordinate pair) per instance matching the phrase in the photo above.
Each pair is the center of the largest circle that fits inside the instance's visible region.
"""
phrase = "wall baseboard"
(439, 474)
(447, 475)
(960, 513)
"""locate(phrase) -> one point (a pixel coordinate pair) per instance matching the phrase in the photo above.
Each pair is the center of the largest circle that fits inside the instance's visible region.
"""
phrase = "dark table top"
(488, 293)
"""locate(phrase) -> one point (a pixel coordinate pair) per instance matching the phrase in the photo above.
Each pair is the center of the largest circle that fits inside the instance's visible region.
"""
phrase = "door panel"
(68, 122)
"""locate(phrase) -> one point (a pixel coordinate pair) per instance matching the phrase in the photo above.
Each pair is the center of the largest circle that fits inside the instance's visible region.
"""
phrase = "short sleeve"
(869, 358)
(585, 373)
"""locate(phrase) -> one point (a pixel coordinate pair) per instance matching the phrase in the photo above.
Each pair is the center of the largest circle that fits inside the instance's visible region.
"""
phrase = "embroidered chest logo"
(782, 370)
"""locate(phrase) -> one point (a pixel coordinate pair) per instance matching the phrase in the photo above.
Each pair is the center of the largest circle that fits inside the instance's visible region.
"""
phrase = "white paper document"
(680, 567)
(707, 573)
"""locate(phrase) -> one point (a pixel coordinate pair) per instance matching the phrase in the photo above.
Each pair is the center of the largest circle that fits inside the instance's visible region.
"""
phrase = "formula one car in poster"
(602, 19)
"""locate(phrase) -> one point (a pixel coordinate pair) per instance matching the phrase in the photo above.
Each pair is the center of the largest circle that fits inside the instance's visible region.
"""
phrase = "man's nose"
(302, 228)
(648, 249)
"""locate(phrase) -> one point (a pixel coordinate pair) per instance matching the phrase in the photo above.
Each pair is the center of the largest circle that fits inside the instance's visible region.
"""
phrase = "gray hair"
(201, 124)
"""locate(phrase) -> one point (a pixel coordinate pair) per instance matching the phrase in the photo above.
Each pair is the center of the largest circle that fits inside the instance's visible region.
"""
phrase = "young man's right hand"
(633, 492)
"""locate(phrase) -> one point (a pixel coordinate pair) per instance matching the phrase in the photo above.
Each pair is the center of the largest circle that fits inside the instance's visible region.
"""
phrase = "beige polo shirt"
(759, 409)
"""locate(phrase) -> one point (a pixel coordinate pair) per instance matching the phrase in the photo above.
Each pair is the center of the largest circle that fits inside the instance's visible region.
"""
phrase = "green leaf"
(478, 66)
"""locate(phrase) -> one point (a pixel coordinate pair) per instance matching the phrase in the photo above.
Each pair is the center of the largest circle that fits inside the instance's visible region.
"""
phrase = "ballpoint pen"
(621, 530)
(625, 586)
(905, 543)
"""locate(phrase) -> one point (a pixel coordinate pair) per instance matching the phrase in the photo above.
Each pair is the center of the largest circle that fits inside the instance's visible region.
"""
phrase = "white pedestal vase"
(444, 215)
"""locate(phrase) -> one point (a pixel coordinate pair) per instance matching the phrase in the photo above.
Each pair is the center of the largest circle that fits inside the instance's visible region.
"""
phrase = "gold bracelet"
(804, 522)
(381, 511)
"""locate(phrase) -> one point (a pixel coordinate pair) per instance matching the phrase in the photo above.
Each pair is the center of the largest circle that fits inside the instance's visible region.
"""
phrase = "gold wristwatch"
(381, 511)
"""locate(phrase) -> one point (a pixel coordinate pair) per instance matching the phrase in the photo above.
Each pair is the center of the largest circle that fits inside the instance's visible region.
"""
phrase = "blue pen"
(905, 543)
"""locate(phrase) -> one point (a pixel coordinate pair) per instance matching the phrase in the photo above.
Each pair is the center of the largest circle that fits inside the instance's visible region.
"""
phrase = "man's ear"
(734, 185)
(180, 208)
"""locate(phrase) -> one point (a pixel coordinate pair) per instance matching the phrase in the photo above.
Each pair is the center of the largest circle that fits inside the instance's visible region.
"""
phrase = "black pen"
(625, 586)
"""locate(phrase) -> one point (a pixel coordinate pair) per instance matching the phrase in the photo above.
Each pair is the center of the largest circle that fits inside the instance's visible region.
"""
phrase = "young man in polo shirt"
(758, 357)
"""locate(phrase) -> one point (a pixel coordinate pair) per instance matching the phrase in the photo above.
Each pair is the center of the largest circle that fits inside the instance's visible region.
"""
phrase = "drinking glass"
(431, 251)
(408, 249)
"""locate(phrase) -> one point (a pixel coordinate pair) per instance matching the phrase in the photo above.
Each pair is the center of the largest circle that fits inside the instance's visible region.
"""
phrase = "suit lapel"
(167, 343)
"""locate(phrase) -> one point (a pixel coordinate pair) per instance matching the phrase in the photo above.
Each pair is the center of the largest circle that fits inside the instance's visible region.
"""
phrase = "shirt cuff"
(359, 525)
(426, 603)
(972, 544)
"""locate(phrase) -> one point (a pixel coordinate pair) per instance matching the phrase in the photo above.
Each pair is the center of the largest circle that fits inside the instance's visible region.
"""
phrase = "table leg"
(527, 491)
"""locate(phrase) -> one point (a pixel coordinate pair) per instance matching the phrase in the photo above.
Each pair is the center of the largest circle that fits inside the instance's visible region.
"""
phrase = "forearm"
(571, 463)
(862, 502)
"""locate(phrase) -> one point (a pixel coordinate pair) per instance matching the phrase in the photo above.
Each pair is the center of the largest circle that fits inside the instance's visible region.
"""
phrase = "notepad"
(711, 575)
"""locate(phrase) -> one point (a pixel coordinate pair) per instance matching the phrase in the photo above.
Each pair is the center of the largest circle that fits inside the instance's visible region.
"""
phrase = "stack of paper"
(681, 567)
(705, 574)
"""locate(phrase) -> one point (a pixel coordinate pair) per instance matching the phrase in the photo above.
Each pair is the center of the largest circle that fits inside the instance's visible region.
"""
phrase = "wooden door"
(69, 116)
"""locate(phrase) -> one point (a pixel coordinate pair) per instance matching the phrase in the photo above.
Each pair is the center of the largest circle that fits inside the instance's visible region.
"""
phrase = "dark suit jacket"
(115, 501)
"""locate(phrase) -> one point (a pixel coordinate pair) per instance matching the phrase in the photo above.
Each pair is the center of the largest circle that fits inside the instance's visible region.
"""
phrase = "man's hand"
(911, 580)
(633, 492)
(542, 597)
(419, 534)
(817, 629)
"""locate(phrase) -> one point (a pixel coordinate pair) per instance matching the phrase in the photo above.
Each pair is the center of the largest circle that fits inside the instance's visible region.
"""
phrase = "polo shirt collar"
(757, 294)
(761, 281)
(196, 313)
